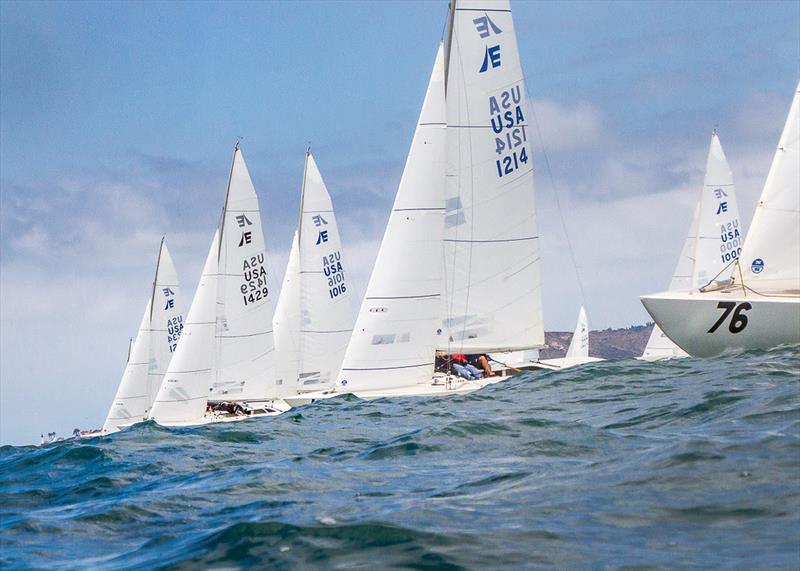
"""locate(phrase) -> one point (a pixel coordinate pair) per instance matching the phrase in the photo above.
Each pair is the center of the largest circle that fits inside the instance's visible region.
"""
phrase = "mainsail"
(714, 241)
(492, 285)
(245, 349)
(394, 337)
(770, 259)
(313, 320)
(151, 350)
(226, 351)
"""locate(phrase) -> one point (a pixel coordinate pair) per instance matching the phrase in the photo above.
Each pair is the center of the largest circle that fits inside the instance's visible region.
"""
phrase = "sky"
(117, 122)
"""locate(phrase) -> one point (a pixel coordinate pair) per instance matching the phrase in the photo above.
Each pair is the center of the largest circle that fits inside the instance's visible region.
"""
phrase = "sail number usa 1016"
(510, 131)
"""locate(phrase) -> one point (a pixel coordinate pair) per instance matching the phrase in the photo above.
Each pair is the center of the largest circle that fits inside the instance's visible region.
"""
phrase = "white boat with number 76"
(759, 306)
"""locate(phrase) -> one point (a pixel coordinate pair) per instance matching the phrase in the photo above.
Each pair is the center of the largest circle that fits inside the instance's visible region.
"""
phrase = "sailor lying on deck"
(230, 407)
(462, 365)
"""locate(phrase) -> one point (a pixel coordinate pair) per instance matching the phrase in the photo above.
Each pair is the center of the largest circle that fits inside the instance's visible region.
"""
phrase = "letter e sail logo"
(757, 266)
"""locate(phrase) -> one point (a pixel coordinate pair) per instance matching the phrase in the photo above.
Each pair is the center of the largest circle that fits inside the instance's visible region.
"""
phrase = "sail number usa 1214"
(510, 135)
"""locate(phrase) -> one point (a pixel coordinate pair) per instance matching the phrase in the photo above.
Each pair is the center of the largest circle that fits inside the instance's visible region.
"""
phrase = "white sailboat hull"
(697, 323)
(277, 407)
(441, 385)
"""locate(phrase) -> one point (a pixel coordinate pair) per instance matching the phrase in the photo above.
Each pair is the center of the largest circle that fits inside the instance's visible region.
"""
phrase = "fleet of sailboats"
(458, 270)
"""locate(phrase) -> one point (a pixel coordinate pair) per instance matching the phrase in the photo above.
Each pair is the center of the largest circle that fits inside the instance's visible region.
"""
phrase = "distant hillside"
(608, 343)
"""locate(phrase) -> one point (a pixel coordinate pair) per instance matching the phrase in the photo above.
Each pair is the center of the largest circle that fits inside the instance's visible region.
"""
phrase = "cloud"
(567, 127)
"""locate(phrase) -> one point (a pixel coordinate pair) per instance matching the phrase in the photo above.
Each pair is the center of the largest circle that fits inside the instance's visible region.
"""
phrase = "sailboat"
(714, 240)
(150, 351)
(578, 350)
(458, 266)
(759, 306)
(223, 368)
(313, 320)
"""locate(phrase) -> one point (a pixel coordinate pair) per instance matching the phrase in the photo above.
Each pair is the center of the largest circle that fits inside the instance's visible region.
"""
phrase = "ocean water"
(616, 465)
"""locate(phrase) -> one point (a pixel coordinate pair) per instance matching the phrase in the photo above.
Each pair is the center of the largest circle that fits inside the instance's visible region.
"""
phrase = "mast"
(448, 39)
(227, 195)
(155, 279)
(298, 281)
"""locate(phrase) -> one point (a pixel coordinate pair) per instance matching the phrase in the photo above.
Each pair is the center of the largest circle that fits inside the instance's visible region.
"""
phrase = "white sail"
(183, 394)
(579, 345)
(130, 402)
(770, 259)
(312, 321)
(286, 325)
(166, 323)
(714, 240)
(394, 337)
(492, 286)
(659, 346)
(326, 322)
(719, 233)
(245, 350)
(151, 351)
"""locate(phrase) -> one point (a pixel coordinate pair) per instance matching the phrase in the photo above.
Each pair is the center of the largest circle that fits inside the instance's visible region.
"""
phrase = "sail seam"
(247, 335)
(386, 368)
(482, 10)
(407, 296)
(492, 241)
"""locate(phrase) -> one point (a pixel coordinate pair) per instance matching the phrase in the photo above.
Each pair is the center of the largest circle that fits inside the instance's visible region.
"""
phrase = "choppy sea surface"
(692, 463)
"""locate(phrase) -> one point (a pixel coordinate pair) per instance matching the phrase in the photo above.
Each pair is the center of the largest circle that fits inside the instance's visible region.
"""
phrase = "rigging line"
(712, 280)
(555, 194)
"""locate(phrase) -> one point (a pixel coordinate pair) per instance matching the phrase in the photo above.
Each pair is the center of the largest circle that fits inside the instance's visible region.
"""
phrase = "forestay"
(492, 286)
(313, 321)
(245, 347)
(394, 337)
(151, 350)
(770, 259)
(183, 394)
